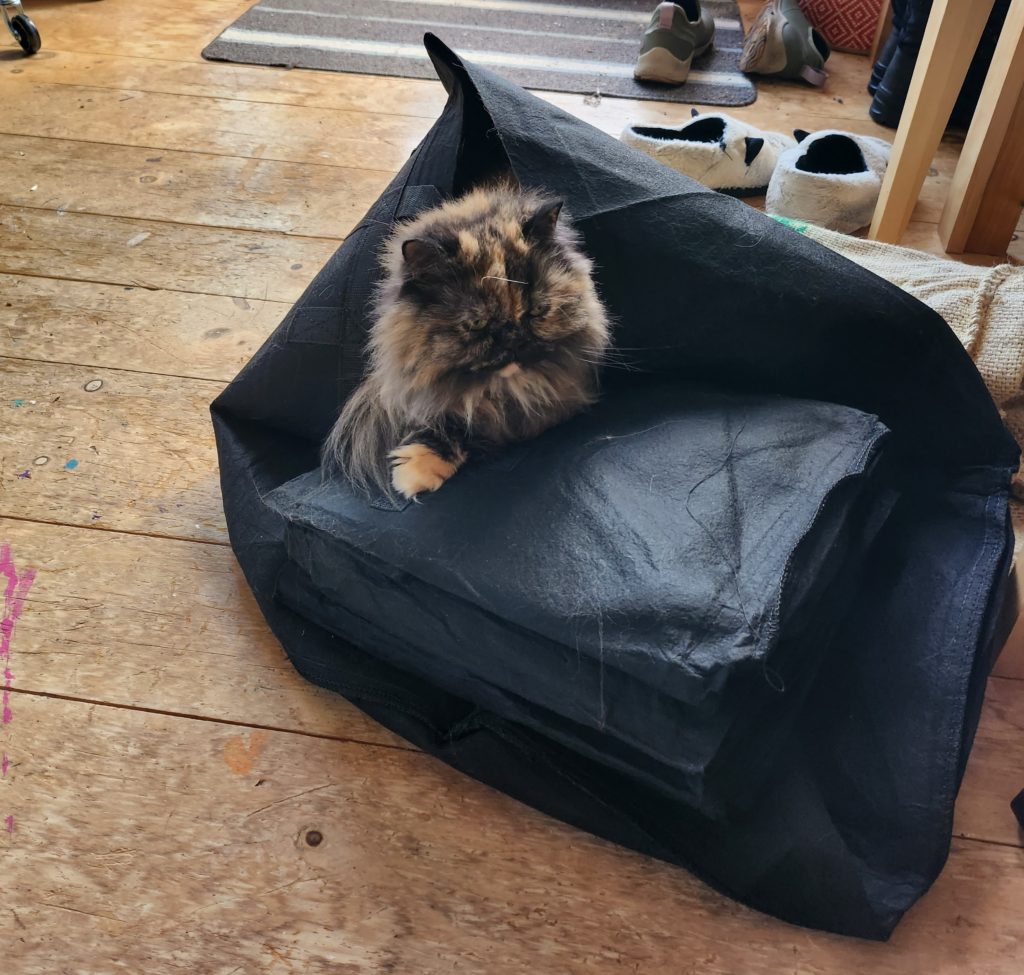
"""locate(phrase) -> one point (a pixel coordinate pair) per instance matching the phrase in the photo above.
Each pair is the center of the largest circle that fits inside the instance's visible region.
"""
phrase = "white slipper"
(715, 149)
(830, 178)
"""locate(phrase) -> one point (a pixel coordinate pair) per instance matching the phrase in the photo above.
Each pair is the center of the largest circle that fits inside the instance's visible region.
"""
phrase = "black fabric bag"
(737, 616)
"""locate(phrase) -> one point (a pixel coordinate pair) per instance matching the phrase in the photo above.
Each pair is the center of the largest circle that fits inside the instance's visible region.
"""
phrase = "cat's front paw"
(416, 468)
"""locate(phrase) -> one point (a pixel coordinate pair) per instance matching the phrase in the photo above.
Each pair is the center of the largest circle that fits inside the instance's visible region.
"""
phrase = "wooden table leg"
(950, 40)
(984, 200)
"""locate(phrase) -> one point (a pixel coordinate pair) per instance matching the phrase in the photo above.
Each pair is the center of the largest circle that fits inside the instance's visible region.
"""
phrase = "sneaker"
(678, 33)
(783, 44)
(716, 149)
(830, 178)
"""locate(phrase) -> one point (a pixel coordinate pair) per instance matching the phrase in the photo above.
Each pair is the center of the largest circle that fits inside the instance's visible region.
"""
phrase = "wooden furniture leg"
(984, 202)
(950, 40)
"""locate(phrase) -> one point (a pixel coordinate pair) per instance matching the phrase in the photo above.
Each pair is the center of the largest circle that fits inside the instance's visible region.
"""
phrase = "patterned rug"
(588, 46)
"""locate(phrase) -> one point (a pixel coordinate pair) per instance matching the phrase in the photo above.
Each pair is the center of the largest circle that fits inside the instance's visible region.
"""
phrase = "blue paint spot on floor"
(71, 464)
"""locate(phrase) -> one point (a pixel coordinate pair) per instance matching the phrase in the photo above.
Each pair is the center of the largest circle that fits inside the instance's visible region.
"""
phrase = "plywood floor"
(174, 798)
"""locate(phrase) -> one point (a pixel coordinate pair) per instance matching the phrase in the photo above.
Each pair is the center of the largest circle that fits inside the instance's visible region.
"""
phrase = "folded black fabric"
(738, 616)
(650, 576)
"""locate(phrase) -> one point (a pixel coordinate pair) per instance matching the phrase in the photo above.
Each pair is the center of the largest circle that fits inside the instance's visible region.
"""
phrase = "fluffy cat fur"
(488, 329)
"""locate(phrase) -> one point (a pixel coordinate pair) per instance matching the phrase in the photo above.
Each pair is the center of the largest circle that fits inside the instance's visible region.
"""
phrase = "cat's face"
(489, 295)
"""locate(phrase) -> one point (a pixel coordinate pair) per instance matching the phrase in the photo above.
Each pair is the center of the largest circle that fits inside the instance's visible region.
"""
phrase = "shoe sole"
(661, 65)
(764, 50)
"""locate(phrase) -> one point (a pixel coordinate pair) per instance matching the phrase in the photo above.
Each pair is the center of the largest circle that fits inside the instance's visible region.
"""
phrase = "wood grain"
(161, 624)
(418, 98)
(186, 187)
(135, 455)
(156, 28)
(224, 126)
(1000, 209)
(418, 870)
(1010, 662)
(153, 254)
(995, 772)
(166, 332)
(925, 237)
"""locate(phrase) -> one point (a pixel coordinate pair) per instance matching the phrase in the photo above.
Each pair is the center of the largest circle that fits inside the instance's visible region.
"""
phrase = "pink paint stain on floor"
(8, 681)
(15, 591)
(15, 586)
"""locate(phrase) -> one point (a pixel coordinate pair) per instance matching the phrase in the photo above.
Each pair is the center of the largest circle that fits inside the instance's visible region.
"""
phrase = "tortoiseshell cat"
(488, 330)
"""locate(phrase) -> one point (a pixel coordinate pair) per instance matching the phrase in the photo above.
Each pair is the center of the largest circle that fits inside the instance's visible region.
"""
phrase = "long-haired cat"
(488, 330)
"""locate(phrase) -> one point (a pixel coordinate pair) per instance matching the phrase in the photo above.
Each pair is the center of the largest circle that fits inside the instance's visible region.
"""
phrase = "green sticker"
(800, 226)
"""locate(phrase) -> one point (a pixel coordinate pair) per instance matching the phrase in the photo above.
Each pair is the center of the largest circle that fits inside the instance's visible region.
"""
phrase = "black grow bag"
(737, 616)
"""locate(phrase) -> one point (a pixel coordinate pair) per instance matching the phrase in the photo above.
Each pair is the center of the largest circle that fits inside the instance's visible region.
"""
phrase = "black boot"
(894, 84)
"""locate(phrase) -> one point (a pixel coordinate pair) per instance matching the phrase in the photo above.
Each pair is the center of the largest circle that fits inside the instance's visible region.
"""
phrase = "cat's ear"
(754, 145)
(694, 113)
(542, 223)
(420, 254)
(800, 134)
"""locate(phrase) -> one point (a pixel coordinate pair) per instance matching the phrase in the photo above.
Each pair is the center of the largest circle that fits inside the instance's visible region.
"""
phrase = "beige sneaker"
(678, 33)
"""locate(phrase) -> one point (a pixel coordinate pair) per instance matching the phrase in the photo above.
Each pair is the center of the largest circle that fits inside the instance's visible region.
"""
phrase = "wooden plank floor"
(166, 775)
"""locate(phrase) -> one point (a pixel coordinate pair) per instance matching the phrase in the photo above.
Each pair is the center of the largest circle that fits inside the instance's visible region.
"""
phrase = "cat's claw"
(415, 469)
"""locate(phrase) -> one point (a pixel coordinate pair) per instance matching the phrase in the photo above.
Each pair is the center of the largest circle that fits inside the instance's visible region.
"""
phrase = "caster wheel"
(26, 34)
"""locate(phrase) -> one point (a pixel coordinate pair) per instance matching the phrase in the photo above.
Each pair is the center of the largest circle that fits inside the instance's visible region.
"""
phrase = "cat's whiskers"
(495, 277)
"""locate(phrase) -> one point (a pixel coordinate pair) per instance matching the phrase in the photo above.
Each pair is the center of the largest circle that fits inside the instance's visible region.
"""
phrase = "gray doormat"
(586, 46)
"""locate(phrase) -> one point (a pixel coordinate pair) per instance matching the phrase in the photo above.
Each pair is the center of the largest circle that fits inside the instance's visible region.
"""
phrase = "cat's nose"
(507, 340)
(512, 338)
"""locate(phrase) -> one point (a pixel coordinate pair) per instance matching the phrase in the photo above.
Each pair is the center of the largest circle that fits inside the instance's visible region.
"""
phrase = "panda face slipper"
(715, 149)
(830, 178)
